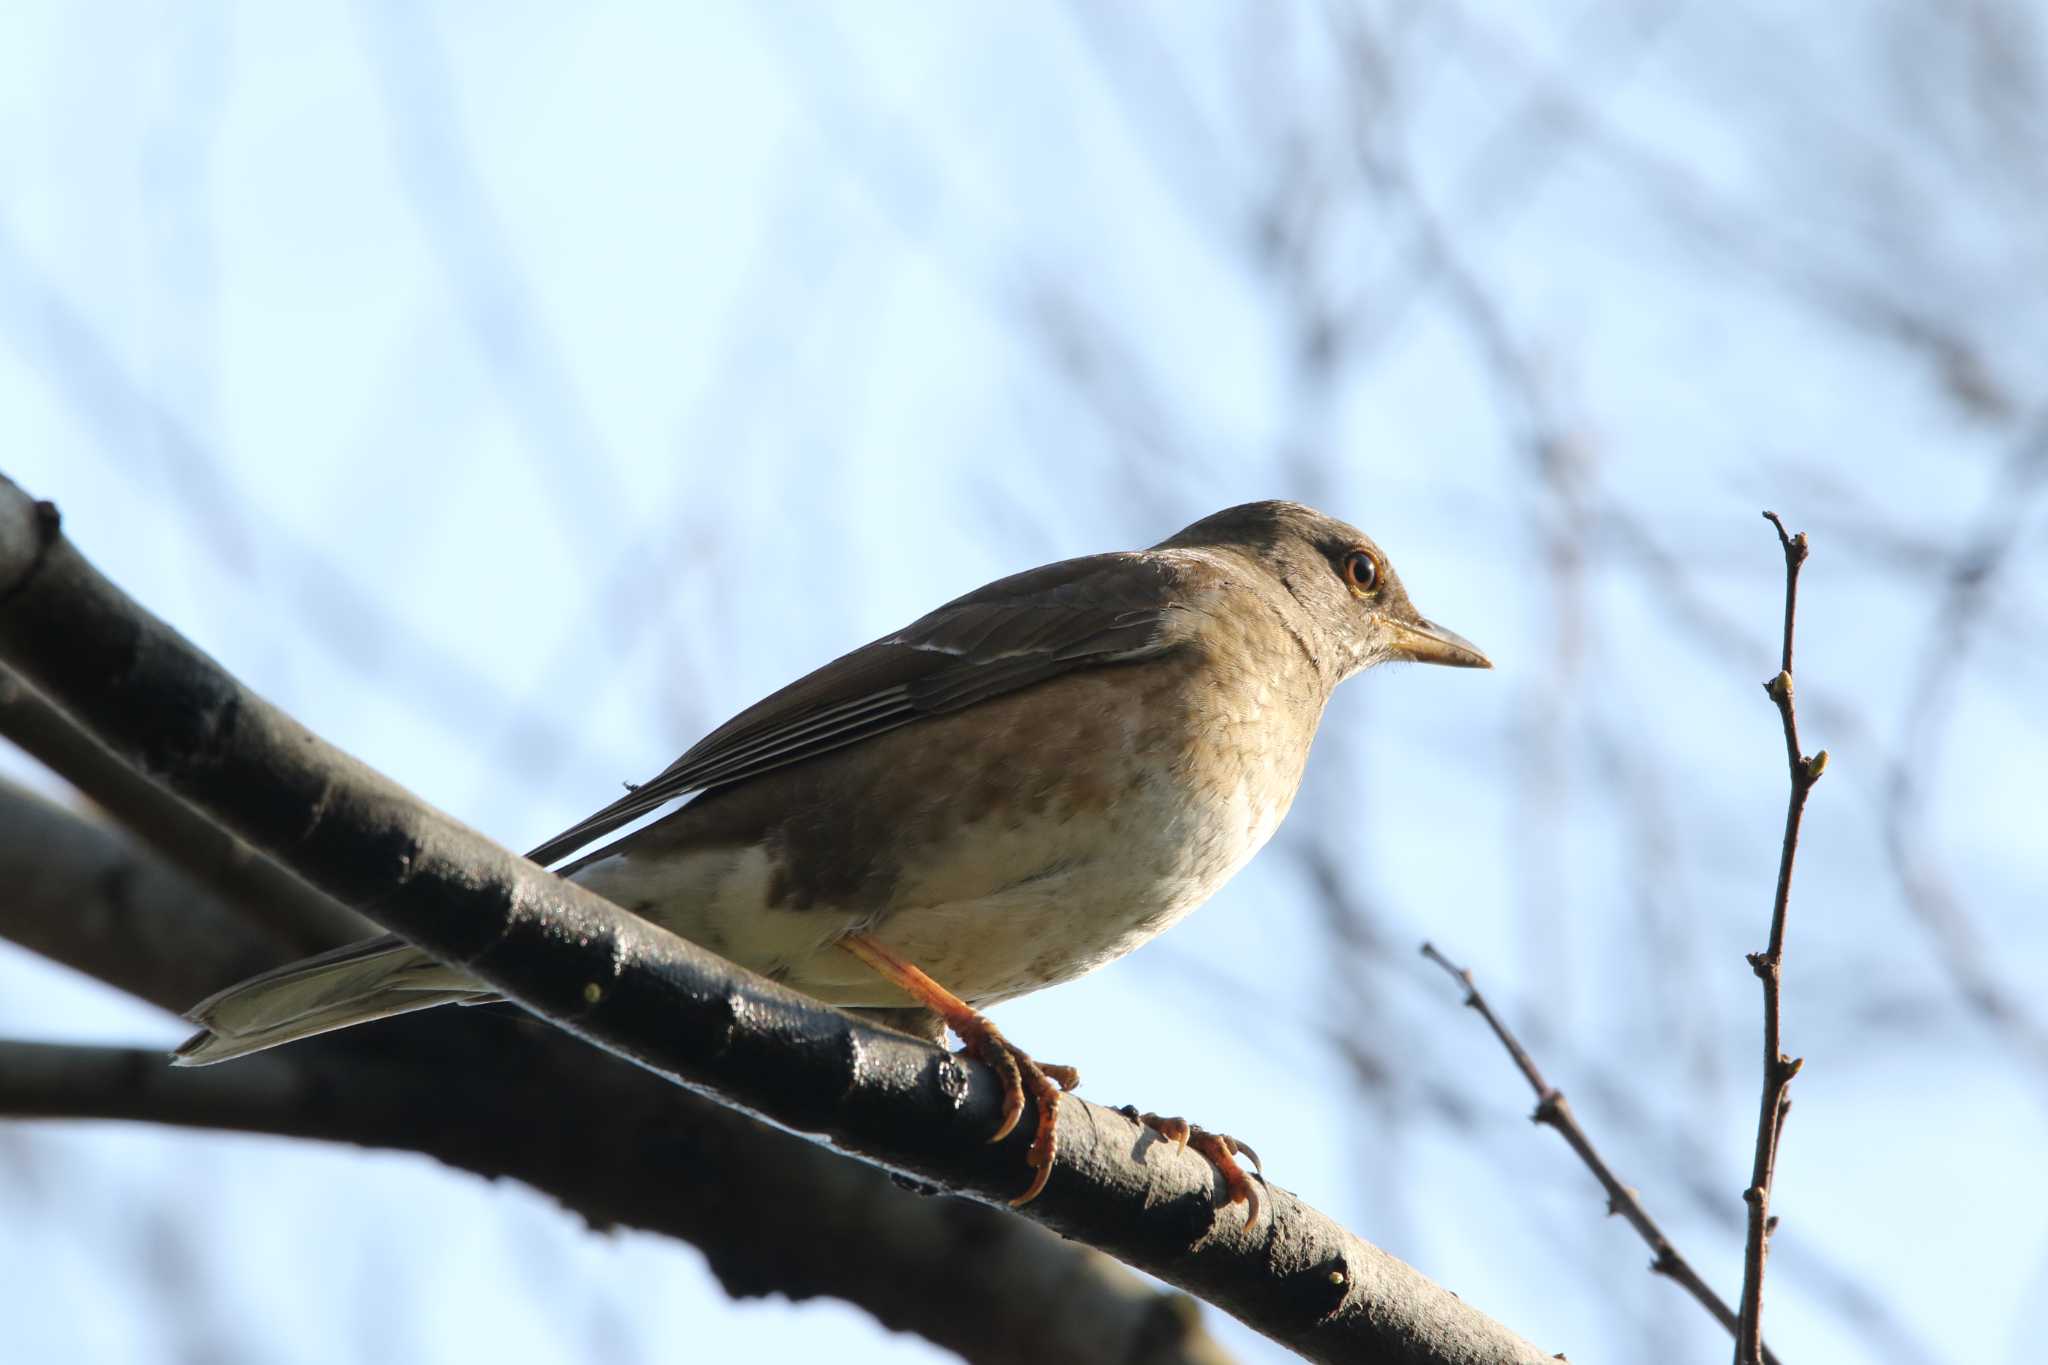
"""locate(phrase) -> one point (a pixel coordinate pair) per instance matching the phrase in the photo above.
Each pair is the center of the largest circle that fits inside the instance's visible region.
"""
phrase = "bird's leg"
(985, 1044)
(1219, 1149)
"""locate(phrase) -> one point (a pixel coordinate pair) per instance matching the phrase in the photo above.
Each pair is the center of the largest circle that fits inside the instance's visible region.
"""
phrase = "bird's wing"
(1079, 613)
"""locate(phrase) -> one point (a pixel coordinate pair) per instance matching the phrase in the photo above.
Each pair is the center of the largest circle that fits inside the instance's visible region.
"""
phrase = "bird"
(1012, 791)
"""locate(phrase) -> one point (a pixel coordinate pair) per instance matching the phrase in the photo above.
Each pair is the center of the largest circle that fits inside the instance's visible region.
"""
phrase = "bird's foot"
(982, 1041)
(1220, 1150)
(1019, 1072)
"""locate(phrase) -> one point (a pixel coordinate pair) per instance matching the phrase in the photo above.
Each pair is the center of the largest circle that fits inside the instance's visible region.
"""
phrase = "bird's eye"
(1361, 571)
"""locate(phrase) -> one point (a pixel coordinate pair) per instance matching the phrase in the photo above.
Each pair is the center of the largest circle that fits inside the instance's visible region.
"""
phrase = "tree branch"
(770, 1211)
(79, 893)
(308, 921)
(646, 995)
(1554, 1110)
(1778, 1068)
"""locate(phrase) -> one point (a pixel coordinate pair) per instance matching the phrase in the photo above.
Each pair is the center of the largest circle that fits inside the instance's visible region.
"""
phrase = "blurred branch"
(677, 543)
(1964, 606)
(1114, 381)
(647, 996)
(491, 293)
(81, 894)
(1562, 473)
(1554, 1110)
(84, 369)
(1763, 239)
(1142, 75)
(1768, 965)
(1508, 168)
(1380, 1066)
(303, 920)
(770, 1211)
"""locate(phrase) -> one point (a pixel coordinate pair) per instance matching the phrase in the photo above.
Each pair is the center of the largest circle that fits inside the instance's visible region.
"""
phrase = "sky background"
(513, 393)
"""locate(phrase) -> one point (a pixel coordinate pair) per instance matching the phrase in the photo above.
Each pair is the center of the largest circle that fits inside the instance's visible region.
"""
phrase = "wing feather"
(1014, 633)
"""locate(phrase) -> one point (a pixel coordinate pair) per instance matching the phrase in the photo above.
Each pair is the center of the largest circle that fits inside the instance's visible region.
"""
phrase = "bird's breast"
(1015, 844)
(1132, 800)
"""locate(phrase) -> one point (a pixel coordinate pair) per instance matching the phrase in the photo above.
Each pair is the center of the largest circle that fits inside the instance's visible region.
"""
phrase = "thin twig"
(1778, 1068)
(1554, 1110)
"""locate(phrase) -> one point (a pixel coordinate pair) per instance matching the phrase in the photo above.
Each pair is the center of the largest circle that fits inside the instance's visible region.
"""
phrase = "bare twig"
(1778, 1068)
(1554, 1110)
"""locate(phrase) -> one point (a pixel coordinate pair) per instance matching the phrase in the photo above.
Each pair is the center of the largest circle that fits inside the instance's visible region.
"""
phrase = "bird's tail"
(374, 979)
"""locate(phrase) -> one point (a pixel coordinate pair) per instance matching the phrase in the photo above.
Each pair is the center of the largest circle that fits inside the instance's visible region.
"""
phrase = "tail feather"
(374, 979)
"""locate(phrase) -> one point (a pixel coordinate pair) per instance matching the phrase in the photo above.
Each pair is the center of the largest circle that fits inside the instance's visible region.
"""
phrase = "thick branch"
(1768, 965)
(770, 1211)
(1554, 1110)
(80, 893)
(636, 990)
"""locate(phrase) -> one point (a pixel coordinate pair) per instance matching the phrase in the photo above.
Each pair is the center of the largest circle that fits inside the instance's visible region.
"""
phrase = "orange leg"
(1012, 1066)
(1220, 1150)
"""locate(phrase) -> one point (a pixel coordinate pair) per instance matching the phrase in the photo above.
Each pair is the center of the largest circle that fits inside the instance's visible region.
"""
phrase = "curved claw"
(1245, 1149)
(1019, 1073)
(998, 1054)
(1174, 1130)
(1046, 1089)
(1220, 1150)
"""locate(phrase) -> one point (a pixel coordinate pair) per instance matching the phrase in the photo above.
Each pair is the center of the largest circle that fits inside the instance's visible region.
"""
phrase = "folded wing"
(1017, 631)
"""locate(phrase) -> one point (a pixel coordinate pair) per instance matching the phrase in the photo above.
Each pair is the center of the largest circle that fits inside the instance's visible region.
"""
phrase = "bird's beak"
(1425, 642)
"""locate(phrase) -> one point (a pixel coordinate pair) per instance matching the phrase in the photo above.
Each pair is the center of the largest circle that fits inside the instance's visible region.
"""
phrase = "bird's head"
(1358, 611)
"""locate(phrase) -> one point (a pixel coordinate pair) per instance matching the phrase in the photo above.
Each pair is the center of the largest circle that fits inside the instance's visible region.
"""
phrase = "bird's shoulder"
(1016, 632)
(1076, 613)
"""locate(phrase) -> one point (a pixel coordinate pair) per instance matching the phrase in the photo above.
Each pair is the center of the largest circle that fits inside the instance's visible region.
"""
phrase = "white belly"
(1005, 908)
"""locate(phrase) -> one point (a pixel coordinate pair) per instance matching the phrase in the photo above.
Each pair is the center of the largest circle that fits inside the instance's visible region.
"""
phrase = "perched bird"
(1006, 794)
